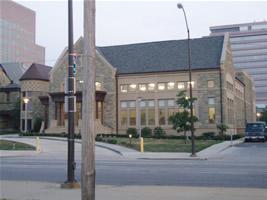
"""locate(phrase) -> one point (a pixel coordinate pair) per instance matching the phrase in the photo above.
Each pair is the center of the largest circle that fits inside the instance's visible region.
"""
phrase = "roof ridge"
(161, 41)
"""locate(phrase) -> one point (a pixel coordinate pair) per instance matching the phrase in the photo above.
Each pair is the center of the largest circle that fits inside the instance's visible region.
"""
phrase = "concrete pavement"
(44, 191)
(52, 144)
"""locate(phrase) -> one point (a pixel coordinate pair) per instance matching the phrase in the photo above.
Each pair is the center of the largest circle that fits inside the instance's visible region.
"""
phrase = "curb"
(77, 141)
(172, 158)
(109, 148)
(238, 141)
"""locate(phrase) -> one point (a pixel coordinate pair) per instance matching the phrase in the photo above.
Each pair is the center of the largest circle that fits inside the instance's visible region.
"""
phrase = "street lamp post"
(26, 101)
(71, 182)
(139, 117)
(180, 6)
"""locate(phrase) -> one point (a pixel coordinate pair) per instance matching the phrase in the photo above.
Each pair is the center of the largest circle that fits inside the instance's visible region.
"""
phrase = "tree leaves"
(181, 121)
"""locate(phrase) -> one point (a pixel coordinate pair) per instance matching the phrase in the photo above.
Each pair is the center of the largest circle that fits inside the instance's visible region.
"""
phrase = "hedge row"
(145, 133)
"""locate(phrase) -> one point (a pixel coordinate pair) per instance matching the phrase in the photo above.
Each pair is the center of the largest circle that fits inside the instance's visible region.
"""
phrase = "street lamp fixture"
(180, 6)
(258, 115)
(25, 101)
(130, 139)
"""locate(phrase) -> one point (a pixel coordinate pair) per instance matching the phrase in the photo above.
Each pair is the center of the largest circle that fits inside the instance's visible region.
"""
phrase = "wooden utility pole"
(88, 104)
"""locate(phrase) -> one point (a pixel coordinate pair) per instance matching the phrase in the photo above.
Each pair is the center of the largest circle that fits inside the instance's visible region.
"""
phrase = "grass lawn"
(11, 145)
(166, 145)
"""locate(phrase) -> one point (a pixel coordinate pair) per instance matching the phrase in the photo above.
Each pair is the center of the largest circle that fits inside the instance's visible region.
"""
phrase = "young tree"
(181, 120)
(222, 128)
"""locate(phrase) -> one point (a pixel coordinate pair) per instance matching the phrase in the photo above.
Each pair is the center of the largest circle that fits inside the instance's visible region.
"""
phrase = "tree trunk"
(185, 137)
(88, 101)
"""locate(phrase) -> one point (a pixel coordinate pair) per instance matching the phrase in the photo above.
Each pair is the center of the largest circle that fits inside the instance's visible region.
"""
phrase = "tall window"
(162, 117)
(99, 110)
(211, 110)
(211, 115)
(60, 114)
(143, 112)
(170, 107)
(147, 112)
(151, 112)
(166, 109)
(123, 114)
(127, 113)
(230, 109)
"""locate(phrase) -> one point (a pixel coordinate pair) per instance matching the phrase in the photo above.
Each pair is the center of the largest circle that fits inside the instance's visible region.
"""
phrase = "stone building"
(34, 85)
(154, 72)
(10, 94)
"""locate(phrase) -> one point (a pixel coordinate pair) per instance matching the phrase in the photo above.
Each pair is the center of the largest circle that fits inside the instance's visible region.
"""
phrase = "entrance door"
(99, 110)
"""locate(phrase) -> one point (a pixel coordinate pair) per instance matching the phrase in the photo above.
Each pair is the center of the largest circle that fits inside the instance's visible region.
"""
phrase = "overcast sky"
(123, 22)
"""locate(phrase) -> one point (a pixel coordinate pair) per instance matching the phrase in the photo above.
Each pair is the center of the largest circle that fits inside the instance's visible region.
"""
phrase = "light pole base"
(193, 155)
(70, 185)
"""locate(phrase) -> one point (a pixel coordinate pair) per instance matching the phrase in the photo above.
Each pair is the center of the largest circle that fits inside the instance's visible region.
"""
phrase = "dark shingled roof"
(37, 72)
(164, 56)
(13, 70)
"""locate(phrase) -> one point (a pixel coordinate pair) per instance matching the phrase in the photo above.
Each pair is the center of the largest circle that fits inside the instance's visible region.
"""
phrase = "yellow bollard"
(141, 145)
(38, 149)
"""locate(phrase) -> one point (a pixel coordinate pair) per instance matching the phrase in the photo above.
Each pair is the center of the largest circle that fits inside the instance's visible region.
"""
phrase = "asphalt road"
(244, 165)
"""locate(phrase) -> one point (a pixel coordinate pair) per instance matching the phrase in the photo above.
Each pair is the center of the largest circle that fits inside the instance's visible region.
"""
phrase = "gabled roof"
(37, 72)
(14, 71)
(164, 56)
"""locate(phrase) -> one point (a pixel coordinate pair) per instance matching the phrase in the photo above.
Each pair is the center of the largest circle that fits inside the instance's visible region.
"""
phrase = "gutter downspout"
(117, 114)
(245, 106)
(221, 96)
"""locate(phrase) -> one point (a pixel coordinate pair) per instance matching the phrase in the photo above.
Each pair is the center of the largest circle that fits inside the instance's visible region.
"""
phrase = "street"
(244, 165)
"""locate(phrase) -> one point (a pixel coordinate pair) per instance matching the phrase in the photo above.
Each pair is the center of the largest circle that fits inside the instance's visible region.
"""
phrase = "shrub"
(99, 139)
(146, 132)
(159, 132)
(208, 135)
(132, 131)
(112, 141)
(222, 128)
(37, 125)
(237, 136)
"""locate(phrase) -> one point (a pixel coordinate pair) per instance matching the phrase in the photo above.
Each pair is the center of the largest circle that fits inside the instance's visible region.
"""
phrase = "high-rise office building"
(17, 35)
(249, 48)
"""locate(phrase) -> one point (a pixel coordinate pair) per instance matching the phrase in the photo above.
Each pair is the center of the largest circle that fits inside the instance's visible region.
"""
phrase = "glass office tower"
(17, 35)
(249, 48)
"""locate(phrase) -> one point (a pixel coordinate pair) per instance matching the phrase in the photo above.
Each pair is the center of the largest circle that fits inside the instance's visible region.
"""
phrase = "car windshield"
(255, 128)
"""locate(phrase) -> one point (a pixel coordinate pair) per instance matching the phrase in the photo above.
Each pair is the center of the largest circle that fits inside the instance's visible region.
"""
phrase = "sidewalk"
(15, 190)
(208, 153)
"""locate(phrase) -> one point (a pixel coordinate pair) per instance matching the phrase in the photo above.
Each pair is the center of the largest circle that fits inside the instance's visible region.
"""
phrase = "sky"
(124, 22)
